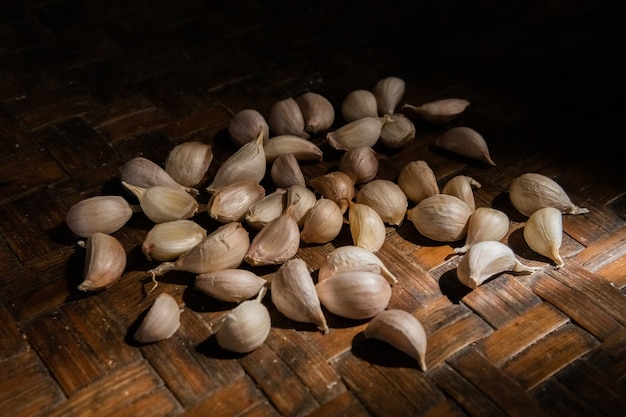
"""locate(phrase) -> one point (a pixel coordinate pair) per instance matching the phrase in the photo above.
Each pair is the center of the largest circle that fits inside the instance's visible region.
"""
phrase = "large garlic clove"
(162, 203)
(231, 202)
(167, 241)
(485, 223)
(105, 262)
(531, 191)
(266, 209)
(389, 92)
(417, 180)
(293, 294)
(245, 126)
(302, 149)
(401, 330)
(337, 186)
(352, 259)
(466, 142)
(361, 132)
(366, 227)
(144, 173)
(354, 295)
(461, 186)
(104, 214)
(441, 217)
(317, 111)
(244, 328)
(286, 119)
(161, 321)
(543, 232)
(387, 198)
(439, 111)
(359, 104)
(486, 259)
(398, 132)
(286, 171)
(230, 285)
(323, 222)
(188, 162)
(360, 163)
(277, 242)
(301, 200)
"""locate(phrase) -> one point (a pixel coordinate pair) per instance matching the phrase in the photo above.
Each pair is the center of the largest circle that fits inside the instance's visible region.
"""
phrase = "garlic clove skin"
(389, 92)
(387, 198)
(301, 200)
(398, 132)
(441, 217)
(485, 223)
(105, 262)
(439, 111)
(353, 259)
(302, 149)
(188, 162)
(360, 163)
(275, 243)
(246, 125)
(103, 214)
(543, 232)
(531, 191)
(286, 171)
(244, 328)
(359, 104)
(286, 119)
(417, 180)
(230, 285)
(366, 227)
(461, 186)
(161, 321)
(466, 142)
(144, 173)
(337, 186)
(162, 203)
(167, 241)
(401, 330)
(361, 132)
(317, 111)
(323, 223)
(266, 209)
(231, 202)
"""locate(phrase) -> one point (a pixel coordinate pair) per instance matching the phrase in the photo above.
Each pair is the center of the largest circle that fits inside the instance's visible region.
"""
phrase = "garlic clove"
(302, 149)
(352, 259)
(387, 198)
(359, 104)
(461, 186)
(366, 227)
(167, 241)
(244, 328)
(230, 285)
(317, 111)
(188, 162)
(104, 214)
(231, 202)
(245, 126)
(144, 173)
(417, 180)
(286, 171)
(401, 330)
(286, 119)
(105, 262)
(389, 92)
(301, 200)
(361, 132)
(485, 223)
(360, 163)
(543, 232)
(161, 321)
(531, 191)
(466, 142)
(439, 111)
(323, 222)
(162, 203)
(441, 217)
(277, 242)
(266, 209)
(336, 186)
(398, 132)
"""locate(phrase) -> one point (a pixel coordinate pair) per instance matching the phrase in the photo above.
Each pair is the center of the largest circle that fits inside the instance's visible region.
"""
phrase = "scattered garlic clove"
(461, 186)
(104, 214)
(245, 126)
(105, 262)
(486, 259)
(466, 142)
(161, 321)
(360, 163)
(167, 241)
(387, 198)
(441, 217)
(162, 203)
(266, 209)
(230, 285)
(277, 242)
(398, 132)
(543, 232)
(317, 111)
(244, 328)
(231, 202)
(485, 223)
(293, 294)
(366, 227)
(361, 132)
(401, 330)
(389, 92)
(286, 171)
(439, 111)
(302, 149)
(144, 173)
(301, 200)
(286, 119)
(531, 191)
(323, 222)
(188, 162)
(359, 104)
(353, 259)
(337, 186)
(417, 180)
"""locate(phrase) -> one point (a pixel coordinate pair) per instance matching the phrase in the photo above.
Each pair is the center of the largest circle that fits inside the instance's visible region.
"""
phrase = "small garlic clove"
(337, 186)
(359, 104)
(360, 163)
(417, 180)
(161, 321)
(398, 132)
(230, 285)
(401, 330)
(277, 242)
(231, 202)
(466, 142)
(162, 203)
(266, 209)
(485, 223)
(366, 227)
(167, 241)
(188, 162)
(286, 171)
(323, 222)
(144, 173)
(244, 328)
(439, 111)
(441, 217)
(317, 111)
(245, 126)
(301, 200)
(389, 92)
(353, 259)
(387, 198)
(104, 214)
(286, 119)
(293, 294)
(531, 191)
(461, 186)
(543, 232)
(361, 132)
(302, 149)
(105, 262)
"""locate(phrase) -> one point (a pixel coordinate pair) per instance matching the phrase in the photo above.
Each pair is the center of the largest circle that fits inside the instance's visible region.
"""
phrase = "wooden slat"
(610, 356)
(342, 405)
(559, 400)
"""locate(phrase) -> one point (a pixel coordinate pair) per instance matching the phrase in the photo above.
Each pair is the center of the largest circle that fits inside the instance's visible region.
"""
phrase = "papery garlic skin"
(302, 149)
(461, 186)
(531, 191)
(317, 111)
(441, 217)
(543, 232)
(366, 227)
(337, 186)
(439, 111)
(104, 214)
(164, 203)
(352, 259)
(244, 328)
(188, 162)
(360, 163)
(323, 223)
(286, 118)
(485, 223)
(167, 241)
(246, 125)
(387, 198)
(466, 142)
(230, 285)
(417, 180)
(105, 262)
(161, 321)
(359, 104)
(231, 202)
(389, 92)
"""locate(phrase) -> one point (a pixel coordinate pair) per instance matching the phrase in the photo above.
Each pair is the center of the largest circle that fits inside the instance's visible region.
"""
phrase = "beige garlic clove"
(317, 111)
(461, 186)
(230, 285)
(337, 186)
(286, 171)
(245, 126)
(387, 198)
(161, 203)
(144, 173)
(231, 202)
(361, 132)
(323, 222)
(301, 200)
(439, 111)
(366, 227)
(167, 241)
(244, 328)
(485, 223)
(286, 119)
(359, 104)
(293, 294)
(417, 180)
(398, 132)
(302, 149)
(486, 259)
(266, 209)
(161, 321)
(543, 232)
(353, 259)
(531, 191)
(466, 142)
(188, 162)
(105, 262)
(401, 330)
(275, 243)
(441, 217)
(104, 214)
(354, 295)
(389, 92)
(360, 163)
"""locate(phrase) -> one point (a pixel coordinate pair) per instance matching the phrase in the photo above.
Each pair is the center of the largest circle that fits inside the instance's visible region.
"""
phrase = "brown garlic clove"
(231, 202)
(188, 162)
(389, 92)
(461, 186)
(531, 191)
(167, 241)
(441, 217)
(387, 198)
(317, 111)
(286, 171)
(417, 180)
(337, 186)
(230, 285)
(105, 262)
(360, 163)
(286, 119)
(359, 104)
(246, 125)
(161, 321)
(466, 142)
(439, 111)
(104, 214)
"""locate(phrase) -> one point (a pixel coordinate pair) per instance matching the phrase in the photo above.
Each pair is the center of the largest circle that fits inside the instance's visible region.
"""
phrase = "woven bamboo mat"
(87, 85)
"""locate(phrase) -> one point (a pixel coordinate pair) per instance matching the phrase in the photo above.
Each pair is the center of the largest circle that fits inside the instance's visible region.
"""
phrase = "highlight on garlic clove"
(466, 142)
(360, 163)
(401, 330)
(245, 328)
(358, 104)
(104, 214)
(462, 186)
(439, 111)
(335, 185)
(361, 132)
(246, 125)
(188, 162)
(161, 321)
(302, 149)
(144, 173)
(105, 262)
(161, 203)
(286, 118)
(389, 92)
(285, 171)
(485, 223)
(266, 209)
(230, 285)
(366, 227)
(277, 242)
(398, 132)
(387, 198)
(317, 111)
(531, 191)
(543, 232)
(323, 223)
(167, 241)
(231, 202)
(441, 217)
(417, 180)
(352, 258)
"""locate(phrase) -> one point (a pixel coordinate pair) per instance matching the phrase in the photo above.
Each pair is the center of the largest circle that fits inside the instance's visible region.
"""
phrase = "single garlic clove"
(531, 191)
(286, 119)
(398, 132)
(161, 321)
(352, 259)
(162, 203)
(439, 111)
(323, 222)
(301, 200)
(337, 186)
(543, 232)
(366, 227)
(230, 285)
(485, 223)
(441, 217)
(167, 241)
(461, 186)
(302, 149)
(277, 242)
(360, 163)
(359, 104)
(354, 295)
(401, 330)
(293, 294)
(389, 92)
(485, 259)
(417, 180)
(286, 171)
(245, 126)
(361, 132)
(188, 162)
(244, 328)
(104, 214)
(105, 262)
(266, 209)
(144, 173)
(387, 198)
(317, 111)
(231, 202)
(466, 142)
